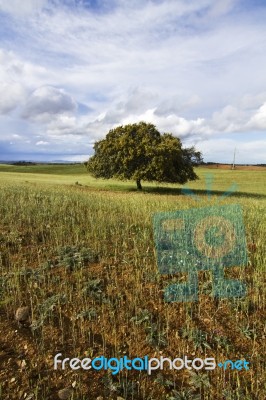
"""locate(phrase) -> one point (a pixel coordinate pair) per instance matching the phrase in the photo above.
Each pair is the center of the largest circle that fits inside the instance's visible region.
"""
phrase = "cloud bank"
(71, 70)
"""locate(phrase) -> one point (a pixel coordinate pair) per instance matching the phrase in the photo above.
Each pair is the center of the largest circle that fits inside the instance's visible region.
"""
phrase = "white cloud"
(232, 119)
(46, 102)
(41, 143)
(250, 152)
(19, 7)
(229, 119)
(12, 94)
(221, 7)
(62, 124)
(258, 120)
(15, 70)
(170, 123)
(251, 102)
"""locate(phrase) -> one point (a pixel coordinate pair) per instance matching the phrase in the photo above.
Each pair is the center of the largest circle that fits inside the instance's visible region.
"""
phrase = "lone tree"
(140, 152)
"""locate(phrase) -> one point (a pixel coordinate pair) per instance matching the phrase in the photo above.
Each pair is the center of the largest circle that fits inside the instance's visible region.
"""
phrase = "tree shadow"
(196, 192)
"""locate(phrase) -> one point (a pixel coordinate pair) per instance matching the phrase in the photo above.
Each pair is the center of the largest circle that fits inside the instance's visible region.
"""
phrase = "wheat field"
(80, 254)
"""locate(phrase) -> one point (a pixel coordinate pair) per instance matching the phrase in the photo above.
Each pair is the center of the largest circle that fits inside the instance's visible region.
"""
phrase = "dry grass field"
(79, 253)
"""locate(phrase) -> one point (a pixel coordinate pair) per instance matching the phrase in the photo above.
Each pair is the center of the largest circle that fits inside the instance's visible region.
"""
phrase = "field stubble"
(83, 260)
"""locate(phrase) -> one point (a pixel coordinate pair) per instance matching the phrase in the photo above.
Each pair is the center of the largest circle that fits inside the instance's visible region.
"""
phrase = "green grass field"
(79, 252)
(250, 183)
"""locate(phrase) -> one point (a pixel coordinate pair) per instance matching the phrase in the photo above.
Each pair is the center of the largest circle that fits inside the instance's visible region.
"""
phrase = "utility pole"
(234, 160)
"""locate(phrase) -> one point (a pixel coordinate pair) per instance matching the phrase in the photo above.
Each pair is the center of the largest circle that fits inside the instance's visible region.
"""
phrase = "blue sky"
(71, 70)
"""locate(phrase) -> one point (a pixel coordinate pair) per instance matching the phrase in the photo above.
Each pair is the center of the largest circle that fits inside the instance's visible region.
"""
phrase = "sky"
(71, 70)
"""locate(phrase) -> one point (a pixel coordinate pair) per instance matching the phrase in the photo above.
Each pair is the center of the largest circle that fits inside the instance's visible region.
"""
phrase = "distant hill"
(23, 163)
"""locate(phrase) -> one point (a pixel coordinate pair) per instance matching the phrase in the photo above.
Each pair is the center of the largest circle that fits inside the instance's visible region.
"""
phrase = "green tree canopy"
(140, 152)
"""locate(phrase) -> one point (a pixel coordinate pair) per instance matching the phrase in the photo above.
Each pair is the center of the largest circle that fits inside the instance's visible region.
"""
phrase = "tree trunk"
(139, 184)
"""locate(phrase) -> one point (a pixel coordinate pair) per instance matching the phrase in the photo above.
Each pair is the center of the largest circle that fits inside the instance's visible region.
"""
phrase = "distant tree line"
(23, 163)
